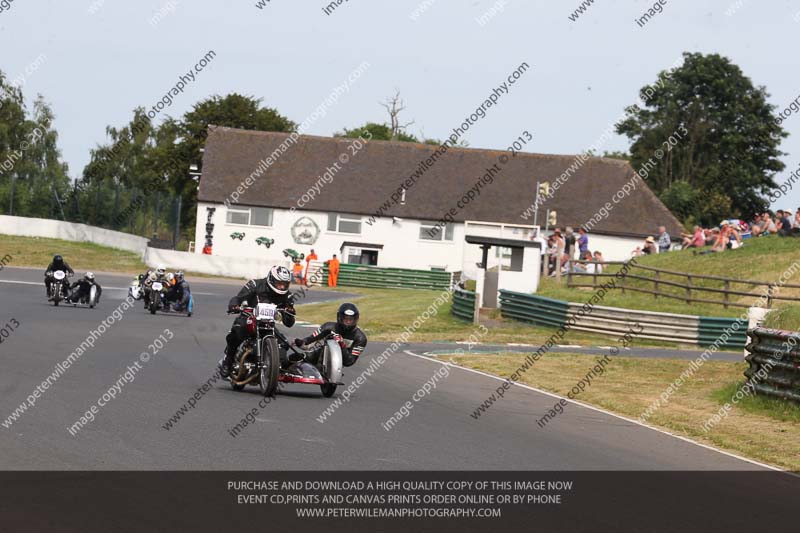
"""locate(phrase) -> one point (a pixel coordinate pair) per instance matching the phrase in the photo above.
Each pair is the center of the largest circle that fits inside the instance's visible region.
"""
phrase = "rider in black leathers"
(83, 287)
(58, 263)
(345, 330)
(272, 289)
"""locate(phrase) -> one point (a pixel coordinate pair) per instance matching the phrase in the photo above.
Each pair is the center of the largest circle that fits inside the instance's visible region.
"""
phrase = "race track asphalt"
(128, 432)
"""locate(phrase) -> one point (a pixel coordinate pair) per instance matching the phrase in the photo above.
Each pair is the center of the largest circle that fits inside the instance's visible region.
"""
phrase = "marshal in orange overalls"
(333, 272)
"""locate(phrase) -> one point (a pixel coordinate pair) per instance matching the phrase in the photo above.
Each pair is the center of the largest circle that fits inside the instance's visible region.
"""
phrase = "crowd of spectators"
(573, 249)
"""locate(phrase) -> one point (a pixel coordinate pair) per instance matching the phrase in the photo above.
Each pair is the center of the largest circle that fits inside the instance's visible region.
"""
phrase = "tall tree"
(30, 162)
(717, 133)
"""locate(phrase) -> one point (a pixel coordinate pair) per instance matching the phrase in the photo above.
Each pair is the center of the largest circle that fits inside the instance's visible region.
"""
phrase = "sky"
(94, 61)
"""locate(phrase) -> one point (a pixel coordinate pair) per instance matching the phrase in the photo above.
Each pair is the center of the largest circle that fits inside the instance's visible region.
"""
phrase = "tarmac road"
(129, 433)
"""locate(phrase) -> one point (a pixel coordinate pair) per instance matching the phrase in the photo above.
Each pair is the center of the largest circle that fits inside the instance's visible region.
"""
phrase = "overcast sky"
(94, 68)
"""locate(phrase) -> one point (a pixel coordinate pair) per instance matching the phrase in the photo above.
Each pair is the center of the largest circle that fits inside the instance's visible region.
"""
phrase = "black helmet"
(58, 259)
(278, 279)
(347, 317)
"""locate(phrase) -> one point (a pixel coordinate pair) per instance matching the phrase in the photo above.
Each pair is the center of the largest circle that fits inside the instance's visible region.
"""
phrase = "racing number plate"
(266, 311)
(157, 286)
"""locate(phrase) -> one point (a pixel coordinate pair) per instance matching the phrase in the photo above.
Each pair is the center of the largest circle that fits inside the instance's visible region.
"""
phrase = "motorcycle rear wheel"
(270, 366)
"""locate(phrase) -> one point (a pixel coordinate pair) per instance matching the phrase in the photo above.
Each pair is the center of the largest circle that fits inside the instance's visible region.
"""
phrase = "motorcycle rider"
(345, 331)
(179, 292)
(273, 289)
(84, 286)
(57, 263)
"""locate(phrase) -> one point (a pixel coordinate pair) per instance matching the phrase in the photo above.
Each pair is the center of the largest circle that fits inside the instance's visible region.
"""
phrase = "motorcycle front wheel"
(328, 389)
(270, 366)
(153, 304)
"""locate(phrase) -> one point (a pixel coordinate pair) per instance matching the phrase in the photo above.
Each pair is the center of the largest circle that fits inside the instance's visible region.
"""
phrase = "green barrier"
(463, 304)
(389, 278)
(711, 329)
(533, 309)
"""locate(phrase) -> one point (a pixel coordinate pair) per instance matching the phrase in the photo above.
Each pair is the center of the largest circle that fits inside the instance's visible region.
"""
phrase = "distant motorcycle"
(58, 287)
(135, 290)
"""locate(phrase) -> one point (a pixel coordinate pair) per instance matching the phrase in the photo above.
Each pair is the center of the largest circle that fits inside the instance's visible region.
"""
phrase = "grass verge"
(386, 312)
(762, 429)
(82, 256)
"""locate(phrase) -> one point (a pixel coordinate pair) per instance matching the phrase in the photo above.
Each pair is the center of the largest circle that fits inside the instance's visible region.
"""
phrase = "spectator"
(732, 239)
(584, 267)
(569, 243)
(770, 226)
(697, 239)
(637, 252)
(598, 258)
(583, 242)
(649, 247)
(784, 223)
(552, 252)
(297, 272)
(664, 241)
(759, 224)
(797, 218)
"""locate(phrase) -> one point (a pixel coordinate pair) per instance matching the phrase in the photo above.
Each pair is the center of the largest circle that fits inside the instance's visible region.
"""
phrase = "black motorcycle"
(58, 286)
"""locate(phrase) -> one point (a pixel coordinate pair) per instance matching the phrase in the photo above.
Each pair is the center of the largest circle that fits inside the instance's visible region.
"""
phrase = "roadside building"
(380, 204)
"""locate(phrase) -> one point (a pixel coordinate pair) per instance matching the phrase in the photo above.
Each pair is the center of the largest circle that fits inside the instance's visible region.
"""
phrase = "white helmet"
(278, 279)
(89, 276)
(161, 270)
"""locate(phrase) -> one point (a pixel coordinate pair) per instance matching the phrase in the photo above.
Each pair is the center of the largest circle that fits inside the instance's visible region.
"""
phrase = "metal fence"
(615, 321)
(390, 278)
(774, 358)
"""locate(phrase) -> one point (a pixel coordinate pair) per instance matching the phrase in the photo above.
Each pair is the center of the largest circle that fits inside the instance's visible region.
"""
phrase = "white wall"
(71, 231)
(402, 246)
(211, 264)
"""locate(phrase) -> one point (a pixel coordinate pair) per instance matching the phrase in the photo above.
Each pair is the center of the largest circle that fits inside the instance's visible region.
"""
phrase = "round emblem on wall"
(305, 231)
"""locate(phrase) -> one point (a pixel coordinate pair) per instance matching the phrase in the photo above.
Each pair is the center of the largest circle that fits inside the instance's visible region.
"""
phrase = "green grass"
(386, 312)
(785, 317)
(781, 410)
(760, 259)
(762, 429)
(82, 256)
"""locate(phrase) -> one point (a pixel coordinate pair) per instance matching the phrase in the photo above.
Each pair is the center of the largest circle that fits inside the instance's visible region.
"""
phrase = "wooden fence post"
(688, 289)
(558, 266)
(727, 288)
(655, 283)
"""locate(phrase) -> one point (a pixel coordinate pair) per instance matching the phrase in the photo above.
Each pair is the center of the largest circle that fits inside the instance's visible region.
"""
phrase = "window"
(249, 216)
(433, 233)
(344, 223)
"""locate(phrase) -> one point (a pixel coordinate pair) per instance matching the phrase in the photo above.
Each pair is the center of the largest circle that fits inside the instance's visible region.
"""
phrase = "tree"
(143, 159)
(708, 139)
(393, 131)
(30, 162)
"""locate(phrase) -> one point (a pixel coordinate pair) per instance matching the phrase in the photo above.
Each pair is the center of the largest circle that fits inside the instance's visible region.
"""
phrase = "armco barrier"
(617, 321)
(534, 309)
(71, 231)
(391, 278)
(774, 358)
(463, 304)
